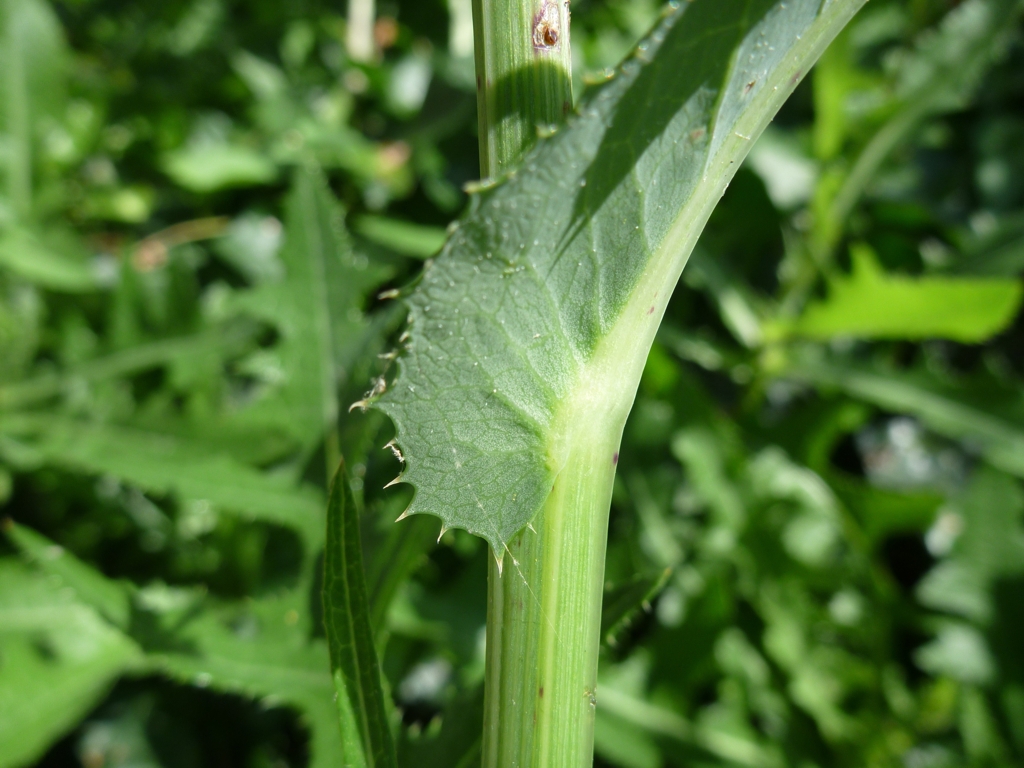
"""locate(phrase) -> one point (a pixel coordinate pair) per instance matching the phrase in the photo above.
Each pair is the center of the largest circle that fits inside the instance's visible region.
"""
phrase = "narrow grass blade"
(356, 671)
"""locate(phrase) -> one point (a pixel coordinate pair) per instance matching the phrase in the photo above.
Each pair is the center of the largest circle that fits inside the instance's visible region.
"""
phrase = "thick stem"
(544, 599)
(544, 618)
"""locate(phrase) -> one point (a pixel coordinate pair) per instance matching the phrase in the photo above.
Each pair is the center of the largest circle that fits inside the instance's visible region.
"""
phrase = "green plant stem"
(523, 66)
(544, 619)
(544, 594)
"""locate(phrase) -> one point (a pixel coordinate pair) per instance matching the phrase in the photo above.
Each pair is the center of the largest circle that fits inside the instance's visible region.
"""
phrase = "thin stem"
(523, 66)
(544, 594)
(359, 30)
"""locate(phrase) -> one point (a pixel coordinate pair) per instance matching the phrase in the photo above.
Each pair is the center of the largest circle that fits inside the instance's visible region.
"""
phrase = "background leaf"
(872, 305)
(315, 309)
(58, 658)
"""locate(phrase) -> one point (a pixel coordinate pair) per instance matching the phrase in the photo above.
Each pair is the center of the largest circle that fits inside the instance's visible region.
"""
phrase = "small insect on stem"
(547, 27)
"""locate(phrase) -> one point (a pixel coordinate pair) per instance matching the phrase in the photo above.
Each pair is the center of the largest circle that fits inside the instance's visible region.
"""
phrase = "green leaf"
(216, 342)
(983, 530)
(111, 599)
(33, 57)
(883, 513)
(21, 313)
(986, 418)
(940, 75)
(261, 649)
(870, 304)
(950, 60)
(396, 556)
(531, 329)
(735, 305)
(210, 167)
(317, 310)
(998, 252)
(26, 256)
(457, 745)
(401, 236)
(58, 658)
(164, 463)
(364, 723)
(959, 651)
(623, 602)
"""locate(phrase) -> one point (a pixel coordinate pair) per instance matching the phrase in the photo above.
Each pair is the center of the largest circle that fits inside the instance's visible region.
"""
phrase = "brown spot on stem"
(546, 27)
(615, 458)
(540, 692)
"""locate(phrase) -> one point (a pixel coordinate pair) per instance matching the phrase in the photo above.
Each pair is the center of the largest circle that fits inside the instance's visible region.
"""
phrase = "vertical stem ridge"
(544, 616)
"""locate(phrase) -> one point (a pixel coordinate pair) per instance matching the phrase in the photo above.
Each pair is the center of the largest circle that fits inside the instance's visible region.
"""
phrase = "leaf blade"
(45, 692)
(316, 308)
(555, 283)
(354, 665)
(111, 599)
(167, 463)
(870, 304)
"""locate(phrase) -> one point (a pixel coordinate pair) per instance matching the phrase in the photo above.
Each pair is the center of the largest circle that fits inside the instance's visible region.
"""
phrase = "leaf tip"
(407, 513)
(392, 445)
(378, 389)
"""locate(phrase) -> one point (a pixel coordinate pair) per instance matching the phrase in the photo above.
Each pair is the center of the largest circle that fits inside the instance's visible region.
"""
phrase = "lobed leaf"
(534, 323)
(316, 309)
(100, 629)
(624, 602)
(166, 463)
(870, 304)
(110, 599)
(58, 657)
(260, 649)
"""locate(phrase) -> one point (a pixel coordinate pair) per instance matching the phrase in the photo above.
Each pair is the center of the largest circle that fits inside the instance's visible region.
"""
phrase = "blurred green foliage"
(817, 544)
